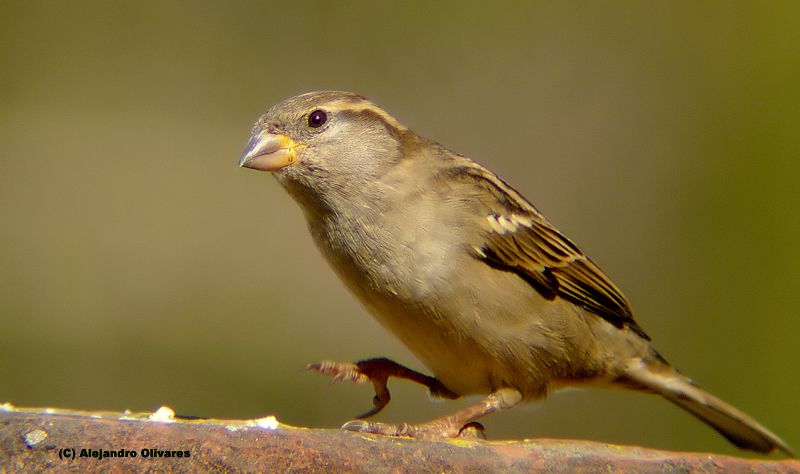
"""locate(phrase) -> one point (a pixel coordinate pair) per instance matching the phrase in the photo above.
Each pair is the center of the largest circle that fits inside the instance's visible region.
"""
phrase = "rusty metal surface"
(34, 440)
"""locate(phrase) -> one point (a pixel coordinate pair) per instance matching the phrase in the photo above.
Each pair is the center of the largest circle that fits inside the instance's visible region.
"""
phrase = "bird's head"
(332, 139)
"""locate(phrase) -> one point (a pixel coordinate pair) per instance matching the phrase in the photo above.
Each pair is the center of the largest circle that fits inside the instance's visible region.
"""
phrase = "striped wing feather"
(519, 239)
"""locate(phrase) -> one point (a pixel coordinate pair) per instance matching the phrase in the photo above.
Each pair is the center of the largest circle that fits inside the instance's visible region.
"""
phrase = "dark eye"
(317, 118)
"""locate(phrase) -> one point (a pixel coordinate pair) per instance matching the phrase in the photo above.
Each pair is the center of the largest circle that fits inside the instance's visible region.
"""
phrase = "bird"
(464, 271)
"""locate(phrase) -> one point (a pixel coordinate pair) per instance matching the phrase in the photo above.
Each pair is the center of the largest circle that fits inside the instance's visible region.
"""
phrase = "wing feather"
(519, 239)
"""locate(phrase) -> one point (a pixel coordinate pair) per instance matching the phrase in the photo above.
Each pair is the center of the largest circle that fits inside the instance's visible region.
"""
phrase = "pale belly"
(476, 328)
(475, 334)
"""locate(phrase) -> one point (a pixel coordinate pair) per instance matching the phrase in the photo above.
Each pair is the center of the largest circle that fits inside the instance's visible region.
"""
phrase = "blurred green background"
(140, 267)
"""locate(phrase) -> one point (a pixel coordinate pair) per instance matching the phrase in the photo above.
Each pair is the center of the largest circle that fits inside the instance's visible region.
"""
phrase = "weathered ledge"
(32, 440)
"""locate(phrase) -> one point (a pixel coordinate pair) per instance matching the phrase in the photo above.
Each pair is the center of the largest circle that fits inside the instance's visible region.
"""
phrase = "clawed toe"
(380, 400)
(364, 426)
(473, 430)
(377, 371)
(339, 371)
(433, 430)
(459, 424)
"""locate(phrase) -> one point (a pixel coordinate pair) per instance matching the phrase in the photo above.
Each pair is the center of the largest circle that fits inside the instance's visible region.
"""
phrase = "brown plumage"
(463, 270)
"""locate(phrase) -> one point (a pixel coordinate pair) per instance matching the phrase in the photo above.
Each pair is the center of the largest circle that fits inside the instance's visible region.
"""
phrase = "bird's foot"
(460, 424)
(378, 372)
(437, 429)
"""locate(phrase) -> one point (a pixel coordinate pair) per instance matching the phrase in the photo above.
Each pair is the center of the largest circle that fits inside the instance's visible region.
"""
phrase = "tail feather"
(739, 428)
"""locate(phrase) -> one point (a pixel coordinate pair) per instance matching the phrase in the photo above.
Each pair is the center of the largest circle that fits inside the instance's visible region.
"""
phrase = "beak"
(269, 152)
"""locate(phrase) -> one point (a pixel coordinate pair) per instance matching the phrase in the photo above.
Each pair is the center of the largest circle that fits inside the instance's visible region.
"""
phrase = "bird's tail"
(737, 427)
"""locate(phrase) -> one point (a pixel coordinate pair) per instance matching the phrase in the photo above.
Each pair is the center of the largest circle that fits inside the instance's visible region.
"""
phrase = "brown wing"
(520, 240)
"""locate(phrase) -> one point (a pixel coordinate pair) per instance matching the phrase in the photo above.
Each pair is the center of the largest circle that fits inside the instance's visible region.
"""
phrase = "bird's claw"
(378, 372)
(433, 430)
(339, 371)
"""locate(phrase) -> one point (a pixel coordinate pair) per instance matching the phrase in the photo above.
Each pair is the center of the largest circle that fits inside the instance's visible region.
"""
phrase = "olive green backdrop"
(140, 267)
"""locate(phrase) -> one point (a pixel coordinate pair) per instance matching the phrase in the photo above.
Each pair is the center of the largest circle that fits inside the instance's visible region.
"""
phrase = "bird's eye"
(317, 118)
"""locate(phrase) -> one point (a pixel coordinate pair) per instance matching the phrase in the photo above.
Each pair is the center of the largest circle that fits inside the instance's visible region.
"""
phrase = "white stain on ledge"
(267, 423)
(163, 415)
(6, 407)
(35, 437)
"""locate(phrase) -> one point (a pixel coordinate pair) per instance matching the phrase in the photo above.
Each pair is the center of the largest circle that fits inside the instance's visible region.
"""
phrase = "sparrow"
(464, 270)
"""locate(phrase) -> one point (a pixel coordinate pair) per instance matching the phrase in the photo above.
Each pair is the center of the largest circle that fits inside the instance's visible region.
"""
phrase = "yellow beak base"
(268, 152)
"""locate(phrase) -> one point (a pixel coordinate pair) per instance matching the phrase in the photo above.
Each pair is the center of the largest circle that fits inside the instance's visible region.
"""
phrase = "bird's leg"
(378, 372)
(445, 427)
